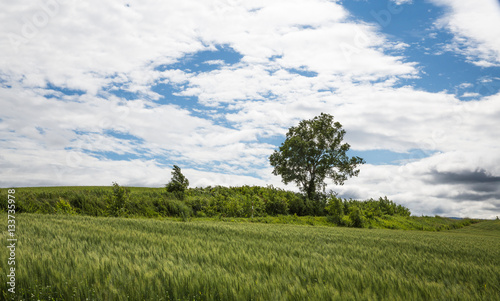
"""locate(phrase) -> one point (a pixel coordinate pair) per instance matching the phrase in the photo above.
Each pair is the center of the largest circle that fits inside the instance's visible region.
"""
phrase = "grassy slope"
(425, 223)
(77, 257)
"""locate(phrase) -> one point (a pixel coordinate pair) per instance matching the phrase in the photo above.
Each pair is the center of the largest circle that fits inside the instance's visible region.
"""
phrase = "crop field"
(72, 257)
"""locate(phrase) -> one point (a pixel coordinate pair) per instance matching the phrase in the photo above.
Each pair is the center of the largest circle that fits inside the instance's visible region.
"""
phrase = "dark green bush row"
(266, 204)
(247, 201)
(243, 201)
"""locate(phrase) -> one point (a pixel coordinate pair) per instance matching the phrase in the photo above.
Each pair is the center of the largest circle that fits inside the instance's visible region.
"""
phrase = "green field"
(72, 257)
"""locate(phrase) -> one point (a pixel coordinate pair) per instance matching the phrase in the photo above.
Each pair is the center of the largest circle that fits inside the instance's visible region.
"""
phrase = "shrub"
(200, 214)
(275, 203)
(116, 206)
(361, 212)
(335, 210)
(172, 207)
(356, 216)
(63, 207)
(296, 205)
(346, 221)
(141, 205)
(198, 204)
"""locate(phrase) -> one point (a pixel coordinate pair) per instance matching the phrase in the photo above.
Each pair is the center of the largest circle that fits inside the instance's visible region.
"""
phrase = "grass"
(71, 257)
(425, 223)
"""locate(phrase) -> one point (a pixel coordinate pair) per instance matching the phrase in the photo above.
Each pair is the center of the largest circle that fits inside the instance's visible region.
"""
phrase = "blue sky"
(121, 93)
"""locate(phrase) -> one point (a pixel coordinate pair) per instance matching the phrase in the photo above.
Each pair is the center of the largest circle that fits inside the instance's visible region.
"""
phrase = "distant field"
(72, 257)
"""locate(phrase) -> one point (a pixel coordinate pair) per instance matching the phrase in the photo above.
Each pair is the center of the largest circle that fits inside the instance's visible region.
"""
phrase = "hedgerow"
(218, 202)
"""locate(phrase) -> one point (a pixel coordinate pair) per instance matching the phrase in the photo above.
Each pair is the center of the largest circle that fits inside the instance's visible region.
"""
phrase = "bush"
(296, 205)
(275, 202)
(346, 221)
(172, 207)
(141, 205)
(63, 207)
(360, 213)
(116, 206)
(356, 216)
(198, 204)
(335, 210)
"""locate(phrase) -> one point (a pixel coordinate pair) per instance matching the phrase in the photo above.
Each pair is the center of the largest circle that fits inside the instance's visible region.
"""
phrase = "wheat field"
(69, 257)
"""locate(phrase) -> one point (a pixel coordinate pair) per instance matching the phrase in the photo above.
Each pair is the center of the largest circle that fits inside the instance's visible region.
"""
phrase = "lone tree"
(312, 151)
(178, 184)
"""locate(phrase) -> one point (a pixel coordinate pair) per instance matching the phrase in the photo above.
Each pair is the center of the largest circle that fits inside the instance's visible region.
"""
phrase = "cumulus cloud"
(474, 25)
(81, 103)
(444, 183)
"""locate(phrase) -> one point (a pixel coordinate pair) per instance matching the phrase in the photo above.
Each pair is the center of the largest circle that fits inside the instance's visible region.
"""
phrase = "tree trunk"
(311, 189)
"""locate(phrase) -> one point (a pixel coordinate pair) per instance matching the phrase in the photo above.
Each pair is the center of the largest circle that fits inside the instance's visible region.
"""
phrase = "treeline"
(245, 201)
(242, 201)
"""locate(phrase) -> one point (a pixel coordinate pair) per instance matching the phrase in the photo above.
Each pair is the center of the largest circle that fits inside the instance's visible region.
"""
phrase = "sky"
(95, 92)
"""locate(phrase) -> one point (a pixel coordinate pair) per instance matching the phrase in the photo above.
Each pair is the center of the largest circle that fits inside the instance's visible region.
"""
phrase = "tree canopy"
(178, 184)
(313, 151)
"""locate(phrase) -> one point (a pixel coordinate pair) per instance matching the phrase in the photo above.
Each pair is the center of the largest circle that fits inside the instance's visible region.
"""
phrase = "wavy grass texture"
(71, 257)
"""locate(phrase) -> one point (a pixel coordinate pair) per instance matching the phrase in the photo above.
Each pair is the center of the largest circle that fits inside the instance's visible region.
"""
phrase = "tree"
(313, 151)
(178, 184)
(118, 200)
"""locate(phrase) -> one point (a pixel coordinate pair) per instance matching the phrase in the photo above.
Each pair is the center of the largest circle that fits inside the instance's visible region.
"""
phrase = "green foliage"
(356, 217)
(335, 210)
(276, 202)
(117, 203)
(178, 184)
(153, 202)
(244, 201)
(88, 258)
(313, 151)
(172, 207)
(63, 207)
(360, 213)
(224, 202)
(425, 223)
(270, 205)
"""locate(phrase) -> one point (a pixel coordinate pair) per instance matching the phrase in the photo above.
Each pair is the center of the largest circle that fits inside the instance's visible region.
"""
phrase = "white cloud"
(400, 2)
(215, 62)
(294, 65)
(465, 85)
(476, 30)
(417, 185)
(471, 94)
(90, 45)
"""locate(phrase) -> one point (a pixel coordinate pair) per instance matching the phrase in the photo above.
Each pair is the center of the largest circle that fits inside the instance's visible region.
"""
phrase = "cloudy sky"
(93, 92)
